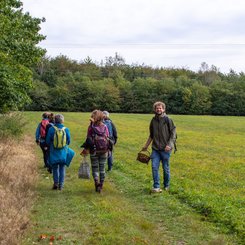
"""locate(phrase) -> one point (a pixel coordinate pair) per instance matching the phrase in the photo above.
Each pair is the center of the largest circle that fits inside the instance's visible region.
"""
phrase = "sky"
(158, 33)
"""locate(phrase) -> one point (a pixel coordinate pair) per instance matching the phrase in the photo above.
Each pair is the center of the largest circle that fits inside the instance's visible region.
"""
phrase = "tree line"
(62, 84)
(30, 80)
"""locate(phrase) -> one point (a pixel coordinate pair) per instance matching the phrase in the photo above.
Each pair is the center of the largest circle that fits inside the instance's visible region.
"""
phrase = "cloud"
(157, 32)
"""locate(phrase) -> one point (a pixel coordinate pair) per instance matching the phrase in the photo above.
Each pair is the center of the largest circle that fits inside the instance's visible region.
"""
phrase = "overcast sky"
(166, 33)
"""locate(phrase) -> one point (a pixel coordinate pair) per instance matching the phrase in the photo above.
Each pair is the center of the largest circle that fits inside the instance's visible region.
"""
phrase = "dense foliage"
(18, 53)
(62, 84)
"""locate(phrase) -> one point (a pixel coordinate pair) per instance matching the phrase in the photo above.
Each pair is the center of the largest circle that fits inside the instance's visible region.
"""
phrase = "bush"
(11, 125)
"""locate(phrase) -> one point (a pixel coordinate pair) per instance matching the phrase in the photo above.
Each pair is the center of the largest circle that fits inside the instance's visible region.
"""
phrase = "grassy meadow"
(205, 204)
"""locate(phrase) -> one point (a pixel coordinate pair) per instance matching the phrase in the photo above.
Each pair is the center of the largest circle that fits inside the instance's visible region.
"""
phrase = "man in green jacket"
(162, 136)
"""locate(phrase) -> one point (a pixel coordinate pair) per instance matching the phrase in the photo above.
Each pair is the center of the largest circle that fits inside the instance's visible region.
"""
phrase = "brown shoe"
(55, 187)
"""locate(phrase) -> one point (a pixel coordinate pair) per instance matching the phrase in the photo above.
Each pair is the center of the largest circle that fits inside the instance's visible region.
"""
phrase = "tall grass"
(18, 174)
(17, 177)
(11, 125)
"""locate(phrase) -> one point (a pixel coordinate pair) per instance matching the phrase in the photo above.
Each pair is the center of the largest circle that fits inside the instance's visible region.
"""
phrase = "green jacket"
(162, 132)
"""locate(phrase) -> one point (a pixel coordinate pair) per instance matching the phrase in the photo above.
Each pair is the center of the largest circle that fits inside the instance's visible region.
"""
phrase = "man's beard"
(158, 113)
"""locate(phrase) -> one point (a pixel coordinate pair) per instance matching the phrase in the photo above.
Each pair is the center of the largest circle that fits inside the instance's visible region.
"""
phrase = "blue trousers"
(59, 174)
(110, 160)
(157, 157)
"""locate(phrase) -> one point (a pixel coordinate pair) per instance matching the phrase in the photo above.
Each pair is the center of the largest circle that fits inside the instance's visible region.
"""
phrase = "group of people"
(99, 143)
(101, 137)
(54, 156)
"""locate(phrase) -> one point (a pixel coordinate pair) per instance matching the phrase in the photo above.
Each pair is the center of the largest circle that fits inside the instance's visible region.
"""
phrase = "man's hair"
(159, 103)
(59, 118)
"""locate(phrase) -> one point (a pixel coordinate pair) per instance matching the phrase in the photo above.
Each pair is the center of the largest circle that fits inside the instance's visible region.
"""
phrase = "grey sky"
(167, 33)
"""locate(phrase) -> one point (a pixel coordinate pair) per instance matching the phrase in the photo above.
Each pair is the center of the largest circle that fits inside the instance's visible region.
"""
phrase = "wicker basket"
(144, 157)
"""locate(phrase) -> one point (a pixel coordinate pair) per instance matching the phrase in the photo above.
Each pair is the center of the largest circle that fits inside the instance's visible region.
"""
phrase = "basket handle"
(146, 151)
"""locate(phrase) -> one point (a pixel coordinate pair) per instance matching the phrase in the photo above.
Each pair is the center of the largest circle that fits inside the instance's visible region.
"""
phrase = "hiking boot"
(60, 187)
(156, 190)
(55, 187)
(49, 170)
(98, 187)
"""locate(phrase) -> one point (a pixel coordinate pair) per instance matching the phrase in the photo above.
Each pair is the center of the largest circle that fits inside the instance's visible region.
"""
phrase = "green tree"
(18, 52)
(39, 97)
(228, 98)
(200, 99)
(144, 91)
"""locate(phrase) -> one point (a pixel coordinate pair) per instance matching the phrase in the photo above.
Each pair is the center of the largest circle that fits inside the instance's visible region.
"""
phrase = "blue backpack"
(109, 126)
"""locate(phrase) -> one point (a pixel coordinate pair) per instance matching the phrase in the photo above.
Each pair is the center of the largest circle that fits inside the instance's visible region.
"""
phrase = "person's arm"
(172, 137)
(148, 142)
(114, 130)
(107, 131)
(49, 136)
(87, 144)
(38, 134)
(68, 136)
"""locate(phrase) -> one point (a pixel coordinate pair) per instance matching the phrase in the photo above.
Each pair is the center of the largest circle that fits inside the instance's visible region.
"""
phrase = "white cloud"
(159, 32)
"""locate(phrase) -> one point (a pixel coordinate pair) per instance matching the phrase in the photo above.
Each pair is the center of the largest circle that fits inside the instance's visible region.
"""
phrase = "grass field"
(205, 205)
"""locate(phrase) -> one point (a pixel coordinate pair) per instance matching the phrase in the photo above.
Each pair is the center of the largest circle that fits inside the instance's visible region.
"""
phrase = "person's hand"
(168, 148)
(84, 152)
(38, 142)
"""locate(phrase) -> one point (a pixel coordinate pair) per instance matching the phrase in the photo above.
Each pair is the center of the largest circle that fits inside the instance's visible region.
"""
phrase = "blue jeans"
(59, 174)
(156, 157)
(110, 160)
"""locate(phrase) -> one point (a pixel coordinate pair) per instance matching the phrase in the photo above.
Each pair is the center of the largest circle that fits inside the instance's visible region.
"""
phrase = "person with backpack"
(97, 144)
(58, 138)
(41, 136)
(113, 138)
(162, 136)
(51, 124)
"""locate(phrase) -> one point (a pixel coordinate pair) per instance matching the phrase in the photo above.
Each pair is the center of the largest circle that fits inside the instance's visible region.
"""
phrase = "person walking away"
(51, 124)
(58, 138)
(97, 144)
(113, 138)
(162, 136)
(41, 135)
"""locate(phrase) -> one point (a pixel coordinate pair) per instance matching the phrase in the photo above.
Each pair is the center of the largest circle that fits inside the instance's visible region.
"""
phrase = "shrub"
(11, 125)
